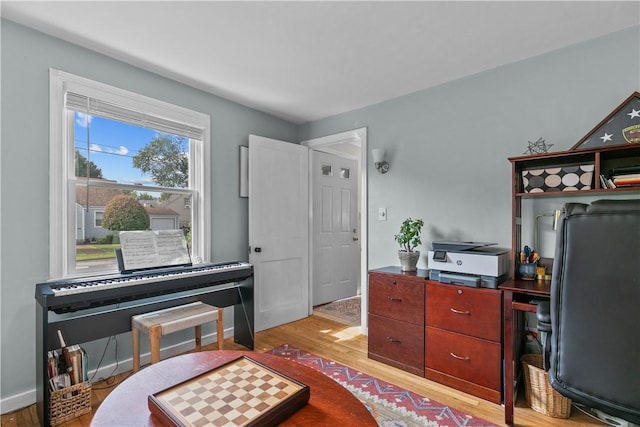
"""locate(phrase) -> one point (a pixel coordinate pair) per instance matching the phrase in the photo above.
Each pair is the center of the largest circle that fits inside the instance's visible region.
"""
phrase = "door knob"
(257, 250)
(355, 238)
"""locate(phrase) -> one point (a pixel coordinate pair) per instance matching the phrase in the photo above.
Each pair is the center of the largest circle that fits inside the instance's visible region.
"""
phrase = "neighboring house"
(90, 205)
(161, 217)
(91, 202)
(182, 206)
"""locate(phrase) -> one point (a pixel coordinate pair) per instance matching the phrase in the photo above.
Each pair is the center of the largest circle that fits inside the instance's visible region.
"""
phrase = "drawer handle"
(394, 340)
(453, 310)
(460, 357)
(394, 299)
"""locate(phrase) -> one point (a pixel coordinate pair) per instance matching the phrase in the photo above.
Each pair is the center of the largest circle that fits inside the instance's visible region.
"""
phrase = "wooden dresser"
(447, 333)
(463, 339)
(396, 318)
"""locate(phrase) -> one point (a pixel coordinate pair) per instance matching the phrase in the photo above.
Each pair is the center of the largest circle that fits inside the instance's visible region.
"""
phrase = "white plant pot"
(408, 260)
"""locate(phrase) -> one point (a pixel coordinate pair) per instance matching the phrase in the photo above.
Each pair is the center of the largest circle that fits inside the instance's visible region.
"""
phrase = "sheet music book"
(152, 249)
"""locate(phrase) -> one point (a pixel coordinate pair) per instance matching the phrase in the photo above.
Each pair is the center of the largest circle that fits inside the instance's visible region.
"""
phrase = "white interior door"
(335, 251)
(352, 144)
(278, 230)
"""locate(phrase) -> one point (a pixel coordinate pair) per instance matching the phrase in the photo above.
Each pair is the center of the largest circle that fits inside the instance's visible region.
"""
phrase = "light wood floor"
(345, 345)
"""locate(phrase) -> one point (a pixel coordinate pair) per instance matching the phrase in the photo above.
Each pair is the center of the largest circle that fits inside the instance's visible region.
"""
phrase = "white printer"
(468, 263)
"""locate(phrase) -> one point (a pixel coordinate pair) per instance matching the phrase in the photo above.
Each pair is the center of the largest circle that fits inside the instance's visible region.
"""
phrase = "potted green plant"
(409, 238)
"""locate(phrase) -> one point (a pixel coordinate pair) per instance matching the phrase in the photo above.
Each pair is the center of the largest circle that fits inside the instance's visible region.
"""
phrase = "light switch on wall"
(382, 214)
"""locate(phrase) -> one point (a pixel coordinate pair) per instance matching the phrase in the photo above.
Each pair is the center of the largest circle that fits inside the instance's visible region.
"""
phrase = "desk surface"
(529, 287)
(329, 403)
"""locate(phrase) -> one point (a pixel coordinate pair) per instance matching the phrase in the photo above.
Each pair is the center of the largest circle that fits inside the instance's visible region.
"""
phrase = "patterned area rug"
(346, 311)
(392, 406)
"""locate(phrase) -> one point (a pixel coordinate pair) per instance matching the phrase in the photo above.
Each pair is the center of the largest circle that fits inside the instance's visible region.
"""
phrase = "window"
(98, 219)
(119, 159)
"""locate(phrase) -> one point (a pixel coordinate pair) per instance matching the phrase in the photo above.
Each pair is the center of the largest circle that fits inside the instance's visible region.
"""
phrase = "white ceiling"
(304, 61)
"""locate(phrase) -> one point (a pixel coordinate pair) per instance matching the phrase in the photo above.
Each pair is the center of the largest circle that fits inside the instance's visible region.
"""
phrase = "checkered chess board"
(233, 395)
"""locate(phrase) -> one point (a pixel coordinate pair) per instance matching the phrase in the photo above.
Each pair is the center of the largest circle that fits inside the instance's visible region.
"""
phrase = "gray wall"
(448, 146)
(26, 58)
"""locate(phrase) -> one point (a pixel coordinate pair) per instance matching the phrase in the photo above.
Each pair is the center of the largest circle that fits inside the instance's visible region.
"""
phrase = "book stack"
(627, 176)
(67, 367)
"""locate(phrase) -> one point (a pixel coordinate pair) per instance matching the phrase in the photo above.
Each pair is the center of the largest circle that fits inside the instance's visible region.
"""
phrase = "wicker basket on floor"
(541, 397)
(77, 402)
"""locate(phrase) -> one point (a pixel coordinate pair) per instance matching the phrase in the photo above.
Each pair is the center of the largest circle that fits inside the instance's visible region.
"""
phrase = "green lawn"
(95, 251)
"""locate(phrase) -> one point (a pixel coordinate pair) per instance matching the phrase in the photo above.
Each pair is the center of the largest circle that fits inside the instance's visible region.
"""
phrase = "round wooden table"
(330, 404)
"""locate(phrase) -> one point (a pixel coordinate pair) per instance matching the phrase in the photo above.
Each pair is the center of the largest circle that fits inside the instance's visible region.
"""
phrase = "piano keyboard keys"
(76, 286)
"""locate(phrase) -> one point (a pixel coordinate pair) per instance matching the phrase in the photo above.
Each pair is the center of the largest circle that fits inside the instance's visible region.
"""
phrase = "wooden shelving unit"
(603, 159)
(623, 150)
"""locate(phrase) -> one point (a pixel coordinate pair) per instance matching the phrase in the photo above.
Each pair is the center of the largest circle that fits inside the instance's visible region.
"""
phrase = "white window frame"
(95, 218)
(61, 166)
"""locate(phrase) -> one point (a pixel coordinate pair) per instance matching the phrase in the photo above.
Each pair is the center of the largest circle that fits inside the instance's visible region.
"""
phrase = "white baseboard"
(17, 401)
(28, 398)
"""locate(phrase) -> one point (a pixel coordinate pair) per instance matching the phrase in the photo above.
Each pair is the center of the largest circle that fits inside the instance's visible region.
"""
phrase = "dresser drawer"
(397, 343)
(469, 311)
(471, 359)
(397, 297)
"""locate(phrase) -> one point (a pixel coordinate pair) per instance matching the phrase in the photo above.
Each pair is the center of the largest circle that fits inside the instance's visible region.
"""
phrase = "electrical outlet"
(382, 214)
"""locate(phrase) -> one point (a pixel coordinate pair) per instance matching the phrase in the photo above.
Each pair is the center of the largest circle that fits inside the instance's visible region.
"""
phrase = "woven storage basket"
(62, 409)
(541, 397)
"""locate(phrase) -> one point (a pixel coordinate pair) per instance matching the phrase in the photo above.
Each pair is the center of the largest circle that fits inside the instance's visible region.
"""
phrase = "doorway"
(332, 158)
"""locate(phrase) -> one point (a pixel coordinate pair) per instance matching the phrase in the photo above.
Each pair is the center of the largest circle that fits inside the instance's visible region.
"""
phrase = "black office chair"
(593, 319)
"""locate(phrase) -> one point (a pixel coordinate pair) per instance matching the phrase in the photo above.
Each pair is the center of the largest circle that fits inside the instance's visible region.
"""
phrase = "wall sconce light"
(378, 160)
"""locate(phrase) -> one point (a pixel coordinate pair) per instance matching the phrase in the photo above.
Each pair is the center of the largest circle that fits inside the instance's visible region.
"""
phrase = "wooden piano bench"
(163, 322)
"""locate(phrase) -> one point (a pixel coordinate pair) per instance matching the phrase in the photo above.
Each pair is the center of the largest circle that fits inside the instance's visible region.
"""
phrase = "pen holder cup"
(527, 271)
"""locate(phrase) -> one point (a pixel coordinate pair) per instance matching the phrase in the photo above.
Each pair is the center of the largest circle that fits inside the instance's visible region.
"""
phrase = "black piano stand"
(88, 325)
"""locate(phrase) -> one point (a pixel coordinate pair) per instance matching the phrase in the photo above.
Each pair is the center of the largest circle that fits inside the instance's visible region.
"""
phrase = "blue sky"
(113, 145)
